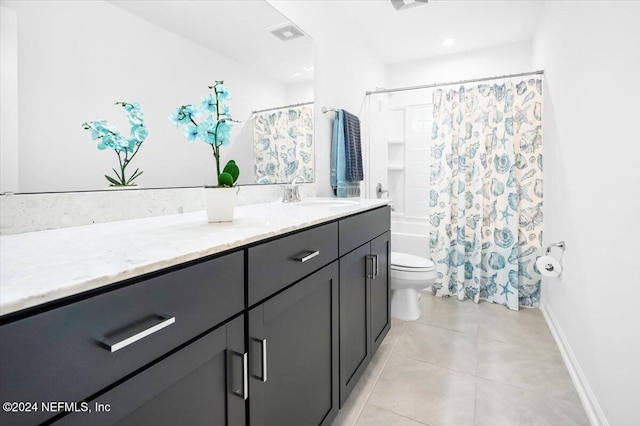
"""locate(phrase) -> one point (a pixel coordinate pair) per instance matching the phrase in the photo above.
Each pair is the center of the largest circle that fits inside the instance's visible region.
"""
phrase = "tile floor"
(463, 364)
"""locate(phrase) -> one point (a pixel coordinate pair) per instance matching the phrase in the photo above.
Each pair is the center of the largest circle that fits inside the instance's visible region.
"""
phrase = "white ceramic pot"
(220, 203)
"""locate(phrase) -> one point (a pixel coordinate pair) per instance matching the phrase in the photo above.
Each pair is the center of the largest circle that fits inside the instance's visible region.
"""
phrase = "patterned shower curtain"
(486, 192)
(283, 144)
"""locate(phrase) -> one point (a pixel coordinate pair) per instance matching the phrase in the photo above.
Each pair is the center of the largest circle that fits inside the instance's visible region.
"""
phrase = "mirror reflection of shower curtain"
(283, 144)
(486, 191)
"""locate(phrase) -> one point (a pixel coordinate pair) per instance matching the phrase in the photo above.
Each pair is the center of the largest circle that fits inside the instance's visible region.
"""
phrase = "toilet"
(409, 273)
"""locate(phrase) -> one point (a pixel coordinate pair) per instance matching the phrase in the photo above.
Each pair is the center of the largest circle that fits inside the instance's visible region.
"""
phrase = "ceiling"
(418, 32)
(237, 29)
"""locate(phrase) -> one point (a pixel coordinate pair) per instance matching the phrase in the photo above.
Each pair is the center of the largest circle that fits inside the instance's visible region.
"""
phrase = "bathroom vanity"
(270, 319)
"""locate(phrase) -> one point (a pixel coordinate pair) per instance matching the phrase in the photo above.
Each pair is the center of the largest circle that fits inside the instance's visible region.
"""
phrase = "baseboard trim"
(589, 402)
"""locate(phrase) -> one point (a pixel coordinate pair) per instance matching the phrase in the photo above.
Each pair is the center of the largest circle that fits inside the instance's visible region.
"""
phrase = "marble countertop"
(40, 267)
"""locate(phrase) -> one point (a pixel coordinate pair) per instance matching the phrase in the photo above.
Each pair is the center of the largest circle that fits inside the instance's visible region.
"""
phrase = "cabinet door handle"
(166, 322)
(244, 393)
(375, 256)
(308, 256)
(263, 352)
(370, 266)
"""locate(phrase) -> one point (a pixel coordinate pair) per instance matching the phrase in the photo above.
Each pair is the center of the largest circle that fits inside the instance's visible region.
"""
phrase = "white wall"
(344, 70)
(499, 60)
(300, 92)
(77, 58)
(9, 100)
(591, 55)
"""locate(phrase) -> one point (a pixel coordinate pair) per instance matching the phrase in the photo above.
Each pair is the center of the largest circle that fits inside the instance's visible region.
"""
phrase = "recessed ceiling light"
(448, 42)
(287, 34)
(296, 75)
(308, 69)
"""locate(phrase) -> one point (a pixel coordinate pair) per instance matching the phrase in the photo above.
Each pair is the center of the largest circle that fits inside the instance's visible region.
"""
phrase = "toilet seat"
(410, 263)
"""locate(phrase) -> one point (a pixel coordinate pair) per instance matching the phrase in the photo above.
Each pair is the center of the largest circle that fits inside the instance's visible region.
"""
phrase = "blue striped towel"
(341, 186)
(353, 148)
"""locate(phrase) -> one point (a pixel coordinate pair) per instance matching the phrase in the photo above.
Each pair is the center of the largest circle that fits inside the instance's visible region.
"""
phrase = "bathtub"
(410, 236)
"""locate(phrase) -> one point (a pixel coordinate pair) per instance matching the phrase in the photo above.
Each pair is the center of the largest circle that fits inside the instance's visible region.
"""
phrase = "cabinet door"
(293, 354)
(201, 384)
(355, 343)
(380, 293)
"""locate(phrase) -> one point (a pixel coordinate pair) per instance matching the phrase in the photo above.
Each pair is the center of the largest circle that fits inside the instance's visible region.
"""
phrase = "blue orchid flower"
(110, 138)
(136, 117)
(139, 133)
(209, 104)
(191, 133)
(184, 114)
(223, 93)
(224, 133)
(129, 107)
(207, 131)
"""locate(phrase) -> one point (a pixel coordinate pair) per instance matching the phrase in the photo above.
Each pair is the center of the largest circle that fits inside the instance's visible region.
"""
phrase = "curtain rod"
(428, 86)
(282, 107)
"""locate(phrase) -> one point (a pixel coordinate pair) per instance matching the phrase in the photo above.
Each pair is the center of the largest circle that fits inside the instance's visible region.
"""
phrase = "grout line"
(445, 328)
(377, 377)
(437, 365)
(401, 415)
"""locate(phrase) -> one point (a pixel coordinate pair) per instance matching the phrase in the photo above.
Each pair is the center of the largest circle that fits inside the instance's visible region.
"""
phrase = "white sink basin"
(325, 203)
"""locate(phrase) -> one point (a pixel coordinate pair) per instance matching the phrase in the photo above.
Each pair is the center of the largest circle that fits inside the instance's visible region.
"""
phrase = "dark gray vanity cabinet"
(364, 293)
(293, 354)
(204, 383)
(272, 334)
(75, 351)
(380, 301)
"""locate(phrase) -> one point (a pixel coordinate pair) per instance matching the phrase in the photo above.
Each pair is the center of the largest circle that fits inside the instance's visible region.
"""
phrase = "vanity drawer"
(69, 353)
(359, 229)
(278, 263)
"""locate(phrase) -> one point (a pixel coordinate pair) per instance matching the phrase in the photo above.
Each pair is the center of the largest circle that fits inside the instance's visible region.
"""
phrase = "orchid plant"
(214, 130)
(125, 147)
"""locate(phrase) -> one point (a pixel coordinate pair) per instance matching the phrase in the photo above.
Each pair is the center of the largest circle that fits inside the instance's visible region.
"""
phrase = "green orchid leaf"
(225, 179)
(232, 169)
(134, 176)
(113, 181)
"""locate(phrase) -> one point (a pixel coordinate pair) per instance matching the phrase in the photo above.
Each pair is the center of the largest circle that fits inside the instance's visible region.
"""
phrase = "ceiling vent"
(407, 4)
(286, 32)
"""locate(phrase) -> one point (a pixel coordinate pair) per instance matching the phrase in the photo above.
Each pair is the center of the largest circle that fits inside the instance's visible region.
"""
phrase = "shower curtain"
(486, 192)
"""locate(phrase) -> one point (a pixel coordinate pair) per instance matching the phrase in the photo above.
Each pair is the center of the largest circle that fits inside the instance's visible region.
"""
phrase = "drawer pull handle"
(141, 335)
(309, 256)
(244, 394)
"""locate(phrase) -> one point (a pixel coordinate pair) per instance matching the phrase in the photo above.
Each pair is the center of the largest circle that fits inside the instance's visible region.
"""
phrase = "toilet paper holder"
(560, 244)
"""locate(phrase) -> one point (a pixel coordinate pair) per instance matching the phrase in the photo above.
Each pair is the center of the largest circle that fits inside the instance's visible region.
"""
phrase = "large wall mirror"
(68, 62)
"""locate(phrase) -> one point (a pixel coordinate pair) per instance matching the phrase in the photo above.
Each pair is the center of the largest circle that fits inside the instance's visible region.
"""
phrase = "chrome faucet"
(292, 191)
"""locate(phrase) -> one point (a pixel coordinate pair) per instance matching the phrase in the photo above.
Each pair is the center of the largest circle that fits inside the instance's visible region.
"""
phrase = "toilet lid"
(410, 262)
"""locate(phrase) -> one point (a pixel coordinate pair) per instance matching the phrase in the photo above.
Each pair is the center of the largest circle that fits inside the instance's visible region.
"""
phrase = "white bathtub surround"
(38, 212)
(410, 236)
(44, 266)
